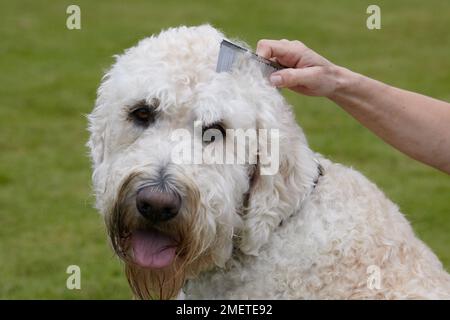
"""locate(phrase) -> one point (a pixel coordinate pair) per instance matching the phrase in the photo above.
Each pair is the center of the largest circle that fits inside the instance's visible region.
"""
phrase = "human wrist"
(344, 80)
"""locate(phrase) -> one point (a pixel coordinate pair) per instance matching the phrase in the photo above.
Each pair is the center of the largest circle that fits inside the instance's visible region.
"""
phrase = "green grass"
(48, 80)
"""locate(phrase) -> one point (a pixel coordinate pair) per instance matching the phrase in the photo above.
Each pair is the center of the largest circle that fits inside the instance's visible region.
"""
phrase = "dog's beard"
(193, 252)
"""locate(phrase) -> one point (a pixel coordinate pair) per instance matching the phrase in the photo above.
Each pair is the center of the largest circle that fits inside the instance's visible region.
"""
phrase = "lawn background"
(48, 80)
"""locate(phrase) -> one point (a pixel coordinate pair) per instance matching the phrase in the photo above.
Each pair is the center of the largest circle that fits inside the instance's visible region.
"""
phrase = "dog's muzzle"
(151, 247)
(141, 224)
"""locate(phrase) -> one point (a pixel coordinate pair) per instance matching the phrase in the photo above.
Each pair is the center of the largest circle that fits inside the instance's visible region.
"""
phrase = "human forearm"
(415, 124)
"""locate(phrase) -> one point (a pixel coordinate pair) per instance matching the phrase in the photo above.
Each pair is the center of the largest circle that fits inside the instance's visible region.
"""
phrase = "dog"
(314, 229)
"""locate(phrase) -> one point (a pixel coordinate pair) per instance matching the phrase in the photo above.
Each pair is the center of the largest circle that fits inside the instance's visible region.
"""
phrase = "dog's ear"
(275, 195)
(96, 145)
(97, 125)
(97, 122)
(96, 142)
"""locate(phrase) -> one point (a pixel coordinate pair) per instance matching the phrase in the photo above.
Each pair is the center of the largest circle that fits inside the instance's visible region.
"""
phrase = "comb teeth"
(227, 54)
(229, 51)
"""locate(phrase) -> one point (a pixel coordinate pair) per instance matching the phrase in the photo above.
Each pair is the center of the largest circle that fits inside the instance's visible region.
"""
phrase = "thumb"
(293, 77)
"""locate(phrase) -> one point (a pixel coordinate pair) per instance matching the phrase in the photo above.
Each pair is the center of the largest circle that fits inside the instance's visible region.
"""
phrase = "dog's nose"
(157, 206)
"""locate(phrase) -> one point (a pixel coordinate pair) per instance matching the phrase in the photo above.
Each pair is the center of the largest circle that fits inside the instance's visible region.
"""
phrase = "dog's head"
(189, 163)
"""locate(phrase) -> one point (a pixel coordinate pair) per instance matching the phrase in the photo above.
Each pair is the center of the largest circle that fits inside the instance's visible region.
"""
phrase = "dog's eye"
(211, 132)
(142, 114)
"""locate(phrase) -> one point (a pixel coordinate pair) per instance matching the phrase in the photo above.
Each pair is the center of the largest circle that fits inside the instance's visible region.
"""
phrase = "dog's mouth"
(153, 249)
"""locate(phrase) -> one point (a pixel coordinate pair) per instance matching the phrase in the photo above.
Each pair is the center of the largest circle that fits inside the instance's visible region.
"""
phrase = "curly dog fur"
(313, 230)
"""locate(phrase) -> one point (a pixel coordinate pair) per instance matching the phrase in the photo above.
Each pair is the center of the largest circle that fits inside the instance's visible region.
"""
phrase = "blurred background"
(49, 76)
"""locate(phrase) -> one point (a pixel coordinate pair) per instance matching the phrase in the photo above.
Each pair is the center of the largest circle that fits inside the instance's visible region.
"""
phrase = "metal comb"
(230, 52)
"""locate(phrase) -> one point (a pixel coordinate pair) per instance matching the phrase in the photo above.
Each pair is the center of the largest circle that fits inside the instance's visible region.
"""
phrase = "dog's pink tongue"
(153, 249)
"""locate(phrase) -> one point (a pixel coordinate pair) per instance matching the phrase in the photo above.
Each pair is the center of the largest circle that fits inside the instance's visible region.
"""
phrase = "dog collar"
(320, 171)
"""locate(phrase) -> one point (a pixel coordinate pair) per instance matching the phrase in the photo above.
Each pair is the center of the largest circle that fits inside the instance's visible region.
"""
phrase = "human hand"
(307, 72)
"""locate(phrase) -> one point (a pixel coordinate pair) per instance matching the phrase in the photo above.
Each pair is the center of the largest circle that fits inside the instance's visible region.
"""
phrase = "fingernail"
(275, 80)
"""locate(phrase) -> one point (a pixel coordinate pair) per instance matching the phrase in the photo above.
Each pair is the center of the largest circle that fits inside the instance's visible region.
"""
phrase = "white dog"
(313, 230)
